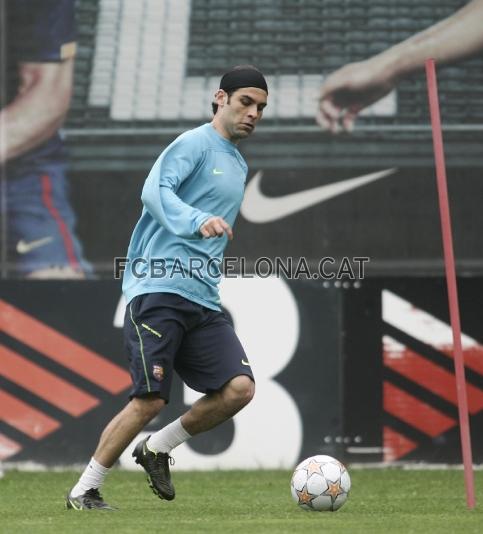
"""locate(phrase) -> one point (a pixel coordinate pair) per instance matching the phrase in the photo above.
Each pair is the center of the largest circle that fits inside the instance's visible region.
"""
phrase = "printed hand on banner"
(349, 90)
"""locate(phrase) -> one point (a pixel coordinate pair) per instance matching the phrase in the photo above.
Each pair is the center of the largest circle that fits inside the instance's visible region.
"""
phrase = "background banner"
(359, 372)
(146, 71)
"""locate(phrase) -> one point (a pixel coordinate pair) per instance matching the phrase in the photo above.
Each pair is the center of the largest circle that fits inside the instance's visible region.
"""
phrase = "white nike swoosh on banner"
(258, 208)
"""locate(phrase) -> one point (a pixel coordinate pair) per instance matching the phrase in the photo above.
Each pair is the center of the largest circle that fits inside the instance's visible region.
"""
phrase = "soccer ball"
(320, 483)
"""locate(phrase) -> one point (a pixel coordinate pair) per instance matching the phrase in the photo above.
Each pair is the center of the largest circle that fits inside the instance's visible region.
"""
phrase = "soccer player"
(40, 50)
(173, 319)
(355, 86)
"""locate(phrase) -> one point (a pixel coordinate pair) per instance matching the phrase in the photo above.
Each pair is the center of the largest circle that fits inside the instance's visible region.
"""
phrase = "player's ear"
(221, 97)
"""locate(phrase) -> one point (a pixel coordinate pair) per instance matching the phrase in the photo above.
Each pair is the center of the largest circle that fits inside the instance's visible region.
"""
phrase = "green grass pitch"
(381, 501)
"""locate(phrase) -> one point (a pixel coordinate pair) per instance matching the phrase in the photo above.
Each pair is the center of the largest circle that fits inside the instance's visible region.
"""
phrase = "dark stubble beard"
(240, 133)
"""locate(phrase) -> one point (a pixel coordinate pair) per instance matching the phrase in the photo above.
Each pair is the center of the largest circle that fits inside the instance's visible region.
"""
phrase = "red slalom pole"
(451, 281)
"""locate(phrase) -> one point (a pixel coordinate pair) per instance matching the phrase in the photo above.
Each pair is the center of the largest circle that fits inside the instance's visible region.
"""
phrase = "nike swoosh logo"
(246, 363)
(258, 208)
(216, 171)
(26, 246)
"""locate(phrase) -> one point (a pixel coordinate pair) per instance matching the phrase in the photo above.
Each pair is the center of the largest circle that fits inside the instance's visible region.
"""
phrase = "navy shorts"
(41, 222)
(165, 332)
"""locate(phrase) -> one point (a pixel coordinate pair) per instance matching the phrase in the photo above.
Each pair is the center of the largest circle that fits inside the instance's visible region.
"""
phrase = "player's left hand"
(216, 227)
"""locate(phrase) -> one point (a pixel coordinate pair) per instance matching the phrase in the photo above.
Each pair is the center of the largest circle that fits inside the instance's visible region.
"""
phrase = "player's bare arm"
(38, 110)
(216, 227)
(357, 85)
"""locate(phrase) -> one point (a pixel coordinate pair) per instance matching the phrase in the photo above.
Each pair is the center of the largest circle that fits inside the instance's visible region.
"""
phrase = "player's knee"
(240, 391)
(146, 408)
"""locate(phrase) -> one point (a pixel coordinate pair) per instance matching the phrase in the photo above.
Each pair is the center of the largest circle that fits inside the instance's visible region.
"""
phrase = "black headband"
(243, 77)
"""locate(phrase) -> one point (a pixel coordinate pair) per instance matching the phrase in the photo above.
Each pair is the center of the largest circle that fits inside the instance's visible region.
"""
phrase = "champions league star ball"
(320, 483)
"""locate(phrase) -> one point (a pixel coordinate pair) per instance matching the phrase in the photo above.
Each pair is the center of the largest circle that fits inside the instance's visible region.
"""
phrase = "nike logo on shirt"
(258, 208)
(23, 247)
(216, 171)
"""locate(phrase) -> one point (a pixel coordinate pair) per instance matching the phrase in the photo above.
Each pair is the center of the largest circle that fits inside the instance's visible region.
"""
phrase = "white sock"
(169, 437)
(92, 477)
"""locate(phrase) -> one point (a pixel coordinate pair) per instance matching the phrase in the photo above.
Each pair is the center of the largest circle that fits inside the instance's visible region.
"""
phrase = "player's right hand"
(216, 227)
(350, 89)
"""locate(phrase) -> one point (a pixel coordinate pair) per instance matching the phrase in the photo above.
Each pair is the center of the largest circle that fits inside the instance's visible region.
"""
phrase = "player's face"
(241, 111)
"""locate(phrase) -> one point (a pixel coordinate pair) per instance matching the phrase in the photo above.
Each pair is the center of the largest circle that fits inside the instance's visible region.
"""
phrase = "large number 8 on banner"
(268, 432)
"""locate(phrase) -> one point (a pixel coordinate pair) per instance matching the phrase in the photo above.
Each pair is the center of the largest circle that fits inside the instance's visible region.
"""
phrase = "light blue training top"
(199, 175)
